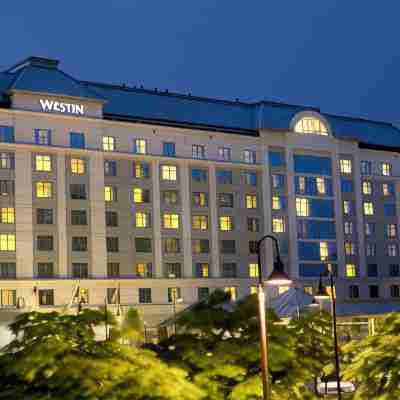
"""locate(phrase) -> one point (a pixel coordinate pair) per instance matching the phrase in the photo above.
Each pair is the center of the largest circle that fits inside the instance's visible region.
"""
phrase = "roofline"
(378, 147)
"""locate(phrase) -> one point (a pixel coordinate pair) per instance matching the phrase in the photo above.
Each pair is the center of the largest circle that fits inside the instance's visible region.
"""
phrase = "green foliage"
(56, 356)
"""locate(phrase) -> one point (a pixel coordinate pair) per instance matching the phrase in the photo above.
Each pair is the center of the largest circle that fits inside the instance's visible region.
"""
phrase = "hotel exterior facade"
(151, 197)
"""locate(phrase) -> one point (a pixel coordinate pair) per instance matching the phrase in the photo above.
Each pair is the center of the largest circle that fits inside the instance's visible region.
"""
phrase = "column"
(23, 214)
(62, 217)
(212, 202)
(157, 245)
(186, 221)
(98, 251)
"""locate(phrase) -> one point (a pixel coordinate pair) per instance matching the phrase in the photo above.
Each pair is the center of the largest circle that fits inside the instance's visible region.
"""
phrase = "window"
(168, 173)
(199, 175)
(77, 140)
(276, 159)
(46, 297)
(202, 270)
(77, 166)
(394, 291)
(140, 195)
(7, 215)
(229, 270)
(43, 136)
(311, 125)
(144, 270)
(200, 199)
(44, 216)
(351, 271)
(172, 245)
(170, 197)
(372, 270)
(278, 225)
(348, 228)
(142, 220)
(249, 156)
(45, 270)
(387, 189)
(391, 231)
(43, 189)
(145, 295)
(276, 203)
(347, 186)
(226, 223)
(140, 146)
(113, 270)
(110, 168)
(321, 186)
(112, 244)
(110, 193)
(251, 201)
(200, 246)
(173, 270)
(366, 167)
(141, 170)
(253, 270)
(171, 221)
(8, 270)
(389, 209)
(203, 293)
(394, 270)
(392, 250)
(224, 177)
(367, 188)
(78, 191)
(386, 169)
(369, 228)
(108, 143)
(7, 134)
(45, 243)
(370, 249)
(6, 188)
(112, 295)
(78, 217)
(346, 166)
(80, 270)
(278, 181)
(231, 291)
(169, 149)
(373, 291)
(224, 153)
(43, 163)
(7, 161)
(253, 224)
(225, 200)
(174, 294)
(253, 246)
(143, 245)
(111, 218)
(8, 297)
(302, 207)
(198, 152)
(79, 243)
(346, 207)
(323, 251)
(354, 292)
(228, 247)
(349, 248)
(250, 178)
(368, 208)
(200, 222)
(7, 242)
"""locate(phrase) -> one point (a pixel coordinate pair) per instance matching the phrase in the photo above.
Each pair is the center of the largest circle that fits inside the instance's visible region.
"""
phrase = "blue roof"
(43, 76)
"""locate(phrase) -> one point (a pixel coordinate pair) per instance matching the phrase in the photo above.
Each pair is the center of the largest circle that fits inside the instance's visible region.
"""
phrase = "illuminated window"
(253, 270)
(200, 246)
(7, 242)
(43, 189)
(253, 289)
(367, 187)
(323, 251)
(251, 201)
(387, 189)
(200, 222)
(141, 170)
(8, 297)
(302, 184)
(144, 270)
(200, 199)
(6, 160)
(140, 195)
(232, 292)
(311, 125)
(198, 152)
(7, 215)
(321, 187)
(391, 230)
(346, 207)
(348, 228)
(349, 248)
(168, 172)
(345, 166)
(282, 289)
(386, 169)
(392, 250)
(226, 223)
(171, 221)
(110, 193)
(140, 146)
(202, 270)
(249, 156)
(302, 207)
(276, 203)
(278, 225)
(77, 166)
(224, 153)
(108, 143)
(142, 220)
(368, 208)
(43, 163)
(83, 295)
(351, 271)
(308, 289)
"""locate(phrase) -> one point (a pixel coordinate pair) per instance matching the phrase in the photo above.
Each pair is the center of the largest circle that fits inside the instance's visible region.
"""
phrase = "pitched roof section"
(40, 75)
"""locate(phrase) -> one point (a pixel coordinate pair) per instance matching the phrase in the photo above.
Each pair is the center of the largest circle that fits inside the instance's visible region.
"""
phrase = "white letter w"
(47, 105)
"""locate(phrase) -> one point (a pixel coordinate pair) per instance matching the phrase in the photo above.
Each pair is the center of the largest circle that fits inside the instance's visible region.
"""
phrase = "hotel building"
(160, 196)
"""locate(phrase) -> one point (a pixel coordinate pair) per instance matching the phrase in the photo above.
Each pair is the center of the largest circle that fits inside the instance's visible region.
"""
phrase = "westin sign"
(56, 106)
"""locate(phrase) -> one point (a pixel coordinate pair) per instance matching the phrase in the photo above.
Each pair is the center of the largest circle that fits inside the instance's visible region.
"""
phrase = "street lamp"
(323, 294)
(175, 300)
(277, 277)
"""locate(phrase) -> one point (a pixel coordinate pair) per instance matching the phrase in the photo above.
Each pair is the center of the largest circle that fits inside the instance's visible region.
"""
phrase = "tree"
(373, 362)
(56, 356)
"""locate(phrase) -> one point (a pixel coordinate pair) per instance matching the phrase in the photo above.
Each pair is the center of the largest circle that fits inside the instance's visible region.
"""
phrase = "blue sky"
(342, 56)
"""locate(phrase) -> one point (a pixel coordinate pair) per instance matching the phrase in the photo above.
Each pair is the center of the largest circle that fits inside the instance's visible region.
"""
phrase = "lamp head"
(278, 276)
(322, 293)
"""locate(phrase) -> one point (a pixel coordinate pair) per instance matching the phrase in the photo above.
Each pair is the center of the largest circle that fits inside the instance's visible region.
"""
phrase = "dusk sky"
(342, 56)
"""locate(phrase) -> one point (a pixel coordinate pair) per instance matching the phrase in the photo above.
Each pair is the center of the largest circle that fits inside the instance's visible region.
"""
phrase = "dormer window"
(311, 125)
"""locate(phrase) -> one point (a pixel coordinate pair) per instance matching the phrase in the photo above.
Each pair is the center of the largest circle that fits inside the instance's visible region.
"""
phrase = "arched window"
(311, 125)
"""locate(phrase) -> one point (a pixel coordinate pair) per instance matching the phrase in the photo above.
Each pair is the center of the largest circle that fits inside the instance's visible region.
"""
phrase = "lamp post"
(277, 277)
(322, 294)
